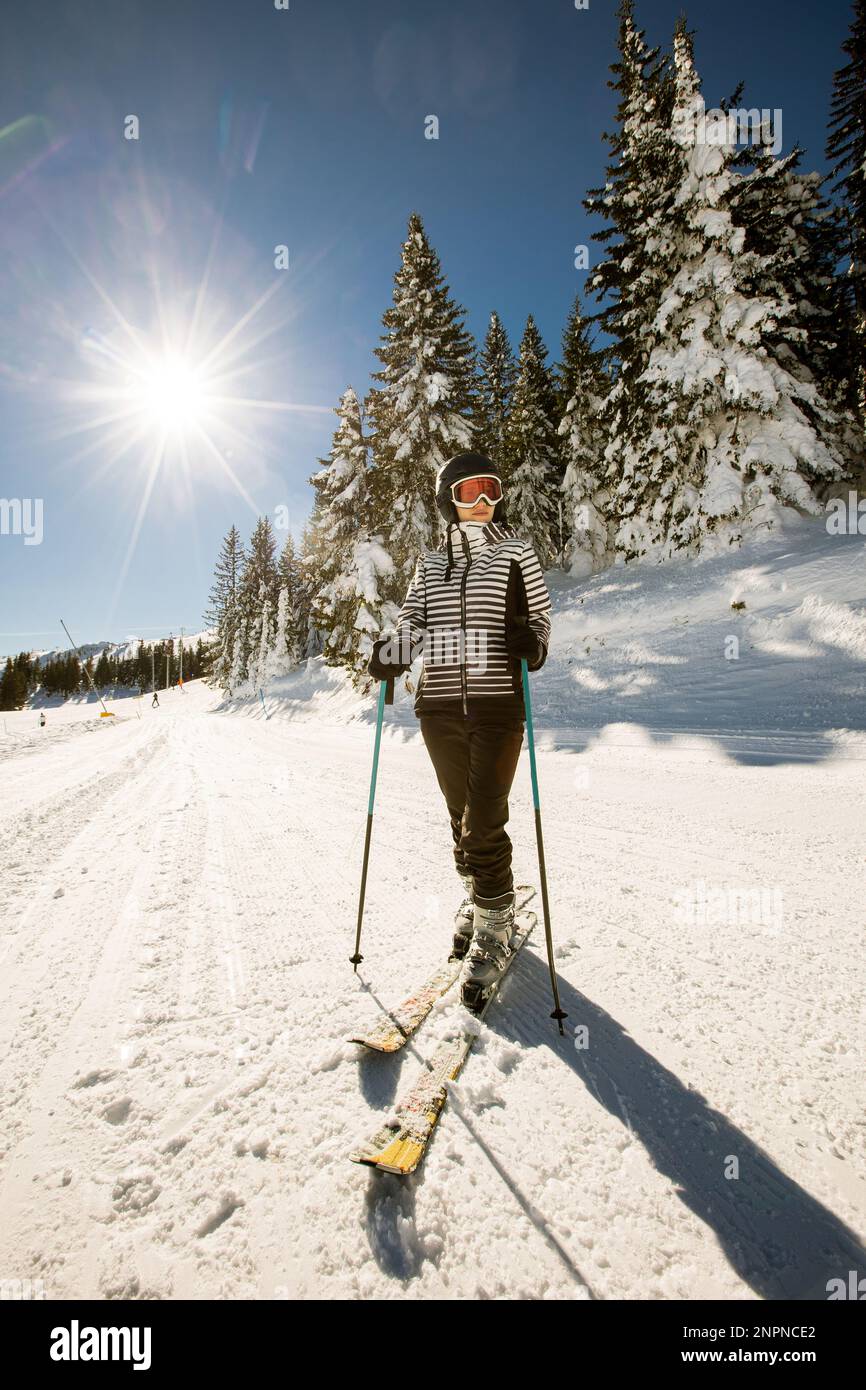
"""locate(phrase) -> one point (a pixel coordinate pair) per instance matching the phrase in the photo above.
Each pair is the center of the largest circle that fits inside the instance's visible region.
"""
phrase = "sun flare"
(172, 394)
(165, 393)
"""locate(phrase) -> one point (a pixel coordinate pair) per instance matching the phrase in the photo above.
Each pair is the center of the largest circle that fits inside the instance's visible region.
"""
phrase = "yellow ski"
(394, 1030)
(399, 1147)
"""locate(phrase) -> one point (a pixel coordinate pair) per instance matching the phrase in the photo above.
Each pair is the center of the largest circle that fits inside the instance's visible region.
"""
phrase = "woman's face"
(479, 511)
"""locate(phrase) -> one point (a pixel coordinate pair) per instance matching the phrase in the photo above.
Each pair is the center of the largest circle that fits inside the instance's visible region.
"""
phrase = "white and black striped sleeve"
(411, 620)
(537, 597)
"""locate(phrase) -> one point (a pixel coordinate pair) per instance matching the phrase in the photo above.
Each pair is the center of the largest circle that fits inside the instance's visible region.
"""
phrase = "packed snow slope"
(180, 894)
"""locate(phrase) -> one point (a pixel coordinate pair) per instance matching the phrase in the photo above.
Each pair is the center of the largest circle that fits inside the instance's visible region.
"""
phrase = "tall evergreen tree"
(362, 587)
(796, 241)
(580, 363)
(422, 411)
(582, 388)
(497, 376)
(846, 148)
(640, 185)
(351, 562)
(12, 690)
(260, 570)
(262, 643)
(736, 434)
(102, 674)
(239, 673)
(26, 677)
(224, 603)
(284, 655)
(635, 201)
(292, 615)
(533, 494)
(259, 581)
(309, 565)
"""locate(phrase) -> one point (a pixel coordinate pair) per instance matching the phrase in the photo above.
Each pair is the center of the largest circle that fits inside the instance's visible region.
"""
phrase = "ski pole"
(386, 697)
(557, 1013)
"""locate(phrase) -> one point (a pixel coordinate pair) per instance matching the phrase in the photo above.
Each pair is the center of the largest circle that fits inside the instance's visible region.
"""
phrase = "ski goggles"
(470, 490)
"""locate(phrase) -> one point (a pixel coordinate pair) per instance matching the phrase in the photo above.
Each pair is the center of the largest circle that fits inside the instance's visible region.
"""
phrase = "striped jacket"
(460, 600)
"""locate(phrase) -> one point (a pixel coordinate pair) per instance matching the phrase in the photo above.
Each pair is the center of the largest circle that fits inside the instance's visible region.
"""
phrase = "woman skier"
(474, 614)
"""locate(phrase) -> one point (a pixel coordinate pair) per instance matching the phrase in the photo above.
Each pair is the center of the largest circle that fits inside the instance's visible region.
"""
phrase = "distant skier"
(154, 704)
(474, 616)
(42, 720)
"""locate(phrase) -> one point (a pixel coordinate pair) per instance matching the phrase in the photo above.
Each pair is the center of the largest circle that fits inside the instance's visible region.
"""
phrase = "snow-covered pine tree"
(533, 442)
(348, 607)
(292, 617)
(341, 498)
(369, 574)
(582, 386)
(797, 241)
(222, 611)
(282, 658)
(846, 148)
(497, 376)
(309, 565)
(734, 436)
(422, 413)
(580, 364)
(640, 185)
(262, 643)
(259, 581)
(260, 571)
(239, 671)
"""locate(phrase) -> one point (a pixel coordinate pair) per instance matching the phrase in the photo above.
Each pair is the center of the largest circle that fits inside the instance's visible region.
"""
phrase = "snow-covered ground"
(179, 903)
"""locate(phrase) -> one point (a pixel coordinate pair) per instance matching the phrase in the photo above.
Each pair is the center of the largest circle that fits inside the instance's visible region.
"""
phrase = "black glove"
(379, 666)
(521, 642)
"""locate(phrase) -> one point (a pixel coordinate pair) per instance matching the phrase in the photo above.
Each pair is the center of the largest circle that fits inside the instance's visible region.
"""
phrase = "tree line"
(63, 675)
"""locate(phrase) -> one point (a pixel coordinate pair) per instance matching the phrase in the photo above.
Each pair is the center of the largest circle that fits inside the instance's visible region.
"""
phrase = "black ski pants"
(475, 759)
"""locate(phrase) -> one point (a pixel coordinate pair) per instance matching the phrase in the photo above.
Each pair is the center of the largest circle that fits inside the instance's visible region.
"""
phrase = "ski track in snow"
(179, 906)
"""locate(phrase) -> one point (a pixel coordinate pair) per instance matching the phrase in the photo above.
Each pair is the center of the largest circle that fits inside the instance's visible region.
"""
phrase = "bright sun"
(172, 394)
(173, 402)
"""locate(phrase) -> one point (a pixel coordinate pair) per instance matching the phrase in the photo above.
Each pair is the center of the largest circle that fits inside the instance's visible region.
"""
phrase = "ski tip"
(401, 1156)
(392, 1043)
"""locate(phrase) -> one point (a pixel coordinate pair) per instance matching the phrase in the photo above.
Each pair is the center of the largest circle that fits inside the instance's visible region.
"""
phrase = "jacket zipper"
(463, 579)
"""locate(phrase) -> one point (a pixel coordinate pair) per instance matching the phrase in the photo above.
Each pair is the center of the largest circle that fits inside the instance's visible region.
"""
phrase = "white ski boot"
(490, 950)
(464, 919)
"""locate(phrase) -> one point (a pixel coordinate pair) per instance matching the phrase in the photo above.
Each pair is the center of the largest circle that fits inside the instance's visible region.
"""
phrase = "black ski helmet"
(459, 467)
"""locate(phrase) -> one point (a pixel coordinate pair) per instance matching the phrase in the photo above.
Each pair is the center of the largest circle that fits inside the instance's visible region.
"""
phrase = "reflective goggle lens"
(470, 489)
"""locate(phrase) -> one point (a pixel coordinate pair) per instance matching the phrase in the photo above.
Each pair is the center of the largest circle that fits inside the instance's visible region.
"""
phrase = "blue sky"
(303, 128)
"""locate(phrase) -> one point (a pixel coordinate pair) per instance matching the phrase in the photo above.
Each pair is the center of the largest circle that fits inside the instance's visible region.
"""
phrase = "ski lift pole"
(84, 668)
(558, 1012)
(386, 697)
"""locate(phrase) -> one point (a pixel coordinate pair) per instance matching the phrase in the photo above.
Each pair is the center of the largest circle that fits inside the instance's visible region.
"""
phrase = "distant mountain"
(129, 647)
